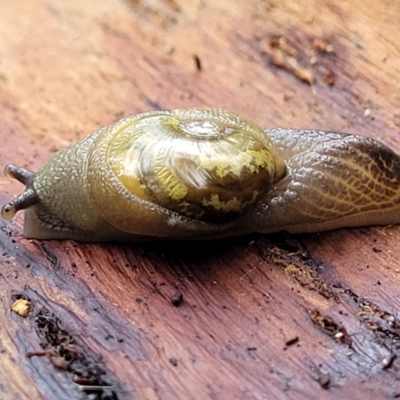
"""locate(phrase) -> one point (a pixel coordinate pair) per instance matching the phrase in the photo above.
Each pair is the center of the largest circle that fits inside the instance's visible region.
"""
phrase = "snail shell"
(206, 173)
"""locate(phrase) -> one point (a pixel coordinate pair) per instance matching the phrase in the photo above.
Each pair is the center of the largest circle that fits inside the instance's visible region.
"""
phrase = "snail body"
(206, 173)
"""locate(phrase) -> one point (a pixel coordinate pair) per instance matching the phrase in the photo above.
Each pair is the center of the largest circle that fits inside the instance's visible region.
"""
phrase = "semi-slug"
(206, 173)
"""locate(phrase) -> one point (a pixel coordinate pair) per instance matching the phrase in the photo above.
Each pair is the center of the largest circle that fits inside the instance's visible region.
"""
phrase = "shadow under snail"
(206, 173)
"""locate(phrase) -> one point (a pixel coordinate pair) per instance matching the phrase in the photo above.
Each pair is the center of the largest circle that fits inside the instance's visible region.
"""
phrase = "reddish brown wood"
(280, 316)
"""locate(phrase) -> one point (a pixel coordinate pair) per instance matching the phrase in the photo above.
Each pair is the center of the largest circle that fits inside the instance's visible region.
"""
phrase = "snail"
(206, 173)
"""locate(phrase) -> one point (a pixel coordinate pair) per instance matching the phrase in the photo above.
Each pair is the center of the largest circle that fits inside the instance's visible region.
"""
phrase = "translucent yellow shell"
(206, 164)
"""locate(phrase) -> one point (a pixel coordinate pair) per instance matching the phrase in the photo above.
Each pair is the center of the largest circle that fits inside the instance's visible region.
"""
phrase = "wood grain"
(309, 316)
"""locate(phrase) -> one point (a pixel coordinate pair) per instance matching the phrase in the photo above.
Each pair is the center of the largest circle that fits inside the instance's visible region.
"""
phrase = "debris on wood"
(22, 307)
(177, 299)
(324, 380)
(302, 61)
(292, 341)
(329, 326)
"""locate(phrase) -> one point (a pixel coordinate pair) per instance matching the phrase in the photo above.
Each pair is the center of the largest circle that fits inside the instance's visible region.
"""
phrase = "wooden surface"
(275, 317)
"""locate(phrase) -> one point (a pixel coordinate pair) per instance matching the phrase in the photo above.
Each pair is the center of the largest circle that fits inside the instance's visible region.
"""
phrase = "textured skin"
(332, 180)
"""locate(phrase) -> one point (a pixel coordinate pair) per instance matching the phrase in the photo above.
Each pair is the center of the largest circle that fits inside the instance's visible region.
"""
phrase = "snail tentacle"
(27, 198)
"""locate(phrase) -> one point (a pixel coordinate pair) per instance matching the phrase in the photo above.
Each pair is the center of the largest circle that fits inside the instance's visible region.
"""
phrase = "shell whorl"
(205, 164)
